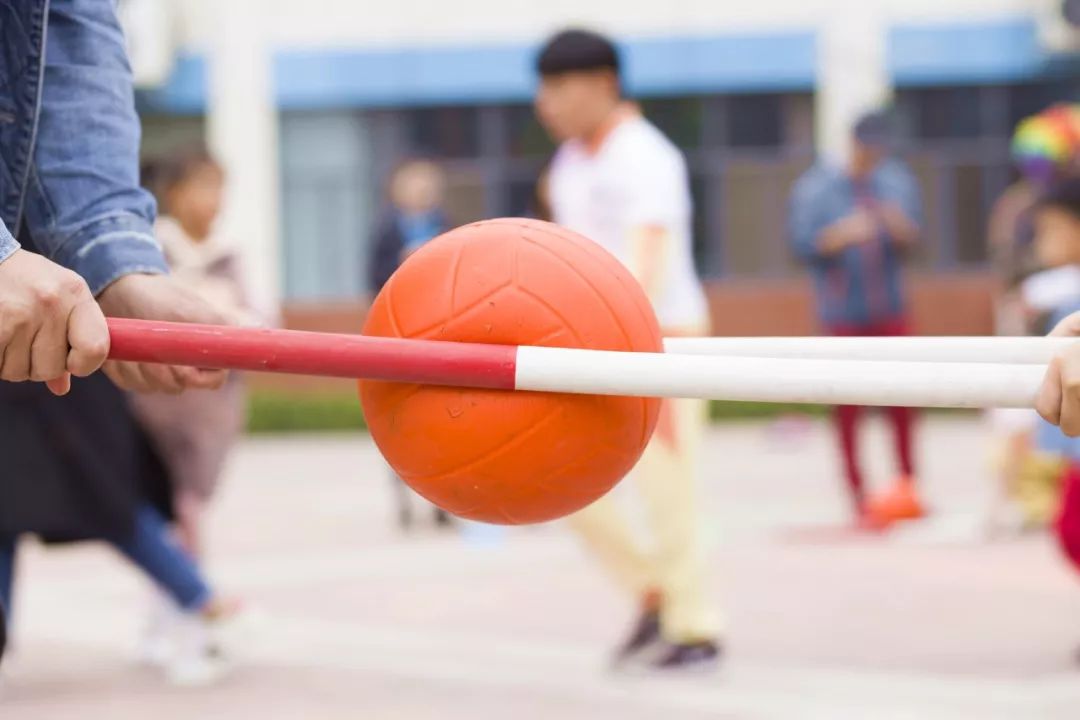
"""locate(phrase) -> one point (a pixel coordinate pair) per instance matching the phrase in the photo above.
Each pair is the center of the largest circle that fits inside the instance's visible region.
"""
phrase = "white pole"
(828, 382)
(1014, 350)
(241, 124)
(852, 73)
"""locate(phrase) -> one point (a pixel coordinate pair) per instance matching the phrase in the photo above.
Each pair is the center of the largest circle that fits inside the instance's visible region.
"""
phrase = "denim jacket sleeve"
(809, 214)
(899, 186)
(7, 242)
(84, 206)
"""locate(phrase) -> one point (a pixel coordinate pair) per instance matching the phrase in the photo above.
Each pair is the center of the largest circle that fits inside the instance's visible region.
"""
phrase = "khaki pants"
(666, 477)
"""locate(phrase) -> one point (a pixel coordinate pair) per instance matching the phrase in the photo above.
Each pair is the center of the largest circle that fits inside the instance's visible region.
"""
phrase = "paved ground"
(365, 623)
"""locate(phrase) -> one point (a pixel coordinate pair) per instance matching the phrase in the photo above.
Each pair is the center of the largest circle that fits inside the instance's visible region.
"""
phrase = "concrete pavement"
(932, 622)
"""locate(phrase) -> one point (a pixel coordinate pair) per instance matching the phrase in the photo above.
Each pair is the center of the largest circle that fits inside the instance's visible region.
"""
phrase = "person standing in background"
(617, 180)
(192, 432)
(1056, 222)
(195, 431)
(1045, 149)
(414, 217)
(852, 226)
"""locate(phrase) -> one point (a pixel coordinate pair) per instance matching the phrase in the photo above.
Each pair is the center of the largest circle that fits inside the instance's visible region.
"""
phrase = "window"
(755, 121)
(743, 152)
(680, 119)
(958, 142)
(525, 137)
(944, 113)
(447, 132)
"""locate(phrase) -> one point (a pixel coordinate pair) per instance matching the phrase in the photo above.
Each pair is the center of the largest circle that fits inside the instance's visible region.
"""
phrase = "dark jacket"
(74, 467)
(389, 244)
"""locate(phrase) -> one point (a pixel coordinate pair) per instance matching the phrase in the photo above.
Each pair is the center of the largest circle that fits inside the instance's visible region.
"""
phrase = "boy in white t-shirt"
(617, 180)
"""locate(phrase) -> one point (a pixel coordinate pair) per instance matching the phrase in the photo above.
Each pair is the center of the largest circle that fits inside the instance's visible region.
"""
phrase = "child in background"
(195, 431)
(415, 216)
(1044, 151)
(1057, 244)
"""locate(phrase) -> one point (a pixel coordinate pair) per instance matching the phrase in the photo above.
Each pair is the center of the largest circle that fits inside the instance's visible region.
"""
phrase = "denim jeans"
(150, 547)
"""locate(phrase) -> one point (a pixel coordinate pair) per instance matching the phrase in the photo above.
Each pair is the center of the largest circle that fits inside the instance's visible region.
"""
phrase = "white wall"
(352, 23)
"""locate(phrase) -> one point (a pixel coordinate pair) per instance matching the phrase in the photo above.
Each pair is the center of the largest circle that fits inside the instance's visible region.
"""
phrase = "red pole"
(429, 362)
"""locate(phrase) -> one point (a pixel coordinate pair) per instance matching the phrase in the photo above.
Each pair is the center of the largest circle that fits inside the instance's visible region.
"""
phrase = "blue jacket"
(861, 285)
(69, 141)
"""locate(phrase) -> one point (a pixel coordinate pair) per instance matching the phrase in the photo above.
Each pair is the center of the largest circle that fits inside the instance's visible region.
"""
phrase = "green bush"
(276, 411)
(279, 411)
(725, 411)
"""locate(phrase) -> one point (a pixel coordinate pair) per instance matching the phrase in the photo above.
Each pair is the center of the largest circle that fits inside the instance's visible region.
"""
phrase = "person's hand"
(50, 326)
(855, 228)
(158, 297)
(900, 228)
(1058, 400)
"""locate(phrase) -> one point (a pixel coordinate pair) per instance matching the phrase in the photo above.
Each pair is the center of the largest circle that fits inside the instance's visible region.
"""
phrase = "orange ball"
(511, 457)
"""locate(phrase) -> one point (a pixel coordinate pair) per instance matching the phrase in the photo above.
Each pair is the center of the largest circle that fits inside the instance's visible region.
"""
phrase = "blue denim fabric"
(150, 548)
(69, 141)
(851, 289)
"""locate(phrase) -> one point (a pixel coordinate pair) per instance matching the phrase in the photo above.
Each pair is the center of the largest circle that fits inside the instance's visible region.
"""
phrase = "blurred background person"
(79, 468)
(619, 181)
(193, 432)
(1056, 218)
(852, 226)
(1044, 149)
(413, 216)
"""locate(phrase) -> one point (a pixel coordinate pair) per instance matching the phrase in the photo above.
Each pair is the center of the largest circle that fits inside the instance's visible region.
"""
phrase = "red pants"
(847, 416)
(1068, 521)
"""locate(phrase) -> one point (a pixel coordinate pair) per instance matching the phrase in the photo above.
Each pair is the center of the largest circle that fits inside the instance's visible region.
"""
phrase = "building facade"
(312, 104)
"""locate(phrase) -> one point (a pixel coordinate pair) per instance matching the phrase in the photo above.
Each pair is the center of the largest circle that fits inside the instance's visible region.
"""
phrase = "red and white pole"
(801, 378)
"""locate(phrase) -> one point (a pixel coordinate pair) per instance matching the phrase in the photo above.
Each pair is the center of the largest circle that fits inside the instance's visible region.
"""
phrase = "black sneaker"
(443, 519)
(689, 657)
(646, 634)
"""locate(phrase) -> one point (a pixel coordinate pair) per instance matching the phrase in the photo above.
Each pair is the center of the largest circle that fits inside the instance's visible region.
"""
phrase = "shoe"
(867, 522)
(195, 661)
(703, 656)
(155, 647)
(644, 635)
(899, 503)
(231, 635)
(207, 650)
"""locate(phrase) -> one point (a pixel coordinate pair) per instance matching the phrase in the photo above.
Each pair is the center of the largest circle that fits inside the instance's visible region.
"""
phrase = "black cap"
(575, 50)
(874, 129)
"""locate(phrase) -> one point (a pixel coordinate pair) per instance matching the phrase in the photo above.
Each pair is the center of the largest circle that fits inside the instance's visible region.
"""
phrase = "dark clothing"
(392, 239)
(75, 467)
